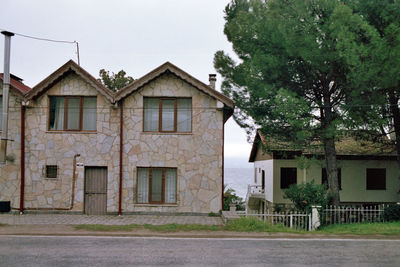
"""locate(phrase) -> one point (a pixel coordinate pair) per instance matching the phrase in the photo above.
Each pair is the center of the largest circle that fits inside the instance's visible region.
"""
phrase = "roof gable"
(171, 68)
(64, 70)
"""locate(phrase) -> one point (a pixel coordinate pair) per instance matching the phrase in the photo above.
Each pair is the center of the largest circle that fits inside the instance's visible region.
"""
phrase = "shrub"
(306, 195)
(392, 213)
(231, 197)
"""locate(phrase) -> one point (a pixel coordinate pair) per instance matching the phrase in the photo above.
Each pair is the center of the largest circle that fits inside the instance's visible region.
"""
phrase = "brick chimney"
(212, 78)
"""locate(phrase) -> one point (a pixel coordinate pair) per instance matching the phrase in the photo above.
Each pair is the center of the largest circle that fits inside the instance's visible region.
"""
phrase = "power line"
(49, 40)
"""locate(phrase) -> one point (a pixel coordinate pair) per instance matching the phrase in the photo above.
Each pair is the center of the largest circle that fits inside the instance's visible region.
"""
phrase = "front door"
(95, 190)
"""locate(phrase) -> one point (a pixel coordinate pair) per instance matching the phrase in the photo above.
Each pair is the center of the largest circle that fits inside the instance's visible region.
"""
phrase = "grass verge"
(386, 228)
(254, 225)
(107, 228)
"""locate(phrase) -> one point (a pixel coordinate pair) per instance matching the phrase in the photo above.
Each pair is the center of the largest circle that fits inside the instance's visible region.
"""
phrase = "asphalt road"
(128, 251)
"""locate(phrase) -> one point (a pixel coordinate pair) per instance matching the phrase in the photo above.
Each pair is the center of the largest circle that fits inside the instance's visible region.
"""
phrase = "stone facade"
(197, 155)
(10, 173)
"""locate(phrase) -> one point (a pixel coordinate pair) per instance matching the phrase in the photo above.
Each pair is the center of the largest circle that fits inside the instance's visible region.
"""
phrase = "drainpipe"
(121, 139)
(223, 161)
(22, 186)
(73, 180)
(6, 87)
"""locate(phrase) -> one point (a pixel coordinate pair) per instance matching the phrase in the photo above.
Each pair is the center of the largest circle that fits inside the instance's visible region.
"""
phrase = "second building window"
(167, 115)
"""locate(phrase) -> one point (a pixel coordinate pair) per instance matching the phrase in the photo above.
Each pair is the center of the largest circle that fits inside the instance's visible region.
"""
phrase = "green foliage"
(392, 213)
(307, 194)
(114, 81)
(295, 75)
(212, 214)
(230, 197)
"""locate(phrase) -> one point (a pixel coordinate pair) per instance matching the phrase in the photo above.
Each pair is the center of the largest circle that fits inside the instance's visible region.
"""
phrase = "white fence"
(321, 216)
(293, 220)
(346, 214)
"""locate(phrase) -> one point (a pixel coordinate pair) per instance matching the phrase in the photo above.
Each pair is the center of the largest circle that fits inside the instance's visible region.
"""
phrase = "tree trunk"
(394, 108)
(331, 170)
(328, 140)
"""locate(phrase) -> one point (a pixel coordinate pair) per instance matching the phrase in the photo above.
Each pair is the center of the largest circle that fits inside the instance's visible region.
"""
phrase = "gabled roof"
(16, 84)
(347, 147)
(64, 70)
(171, 68)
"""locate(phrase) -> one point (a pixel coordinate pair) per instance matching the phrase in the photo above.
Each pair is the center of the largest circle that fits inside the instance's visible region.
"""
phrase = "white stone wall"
(197, 155)
(10, 173)
(58, 148)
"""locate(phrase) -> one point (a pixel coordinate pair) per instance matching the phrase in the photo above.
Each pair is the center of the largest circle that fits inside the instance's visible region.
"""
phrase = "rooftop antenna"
(6, 89)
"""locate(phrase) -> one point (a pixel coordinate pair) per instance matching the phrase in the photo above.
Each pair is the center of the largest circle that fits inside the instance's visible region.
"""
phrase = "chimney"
(6, 87)
(212, 78)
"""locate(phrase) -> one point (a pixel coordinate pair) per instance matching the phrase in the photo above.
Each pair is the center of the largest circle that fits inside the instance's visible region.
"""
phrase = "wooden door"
(95, 190)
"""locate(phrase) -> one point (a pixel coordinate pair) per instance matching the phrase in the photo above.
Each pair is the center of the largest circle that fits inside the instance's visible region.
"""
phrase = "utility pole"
(6, 89)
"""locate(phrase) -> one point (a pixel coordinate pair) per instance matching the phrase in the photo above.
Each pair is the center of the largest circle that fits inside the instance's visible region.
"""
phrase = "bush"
(306, 195)
(392, 213)
(231, 197)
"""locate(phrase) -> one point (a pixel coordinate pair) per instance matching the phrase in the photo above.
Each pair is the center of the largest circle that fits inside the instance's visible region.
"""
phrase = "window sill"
(166, 133)
(156, 205)
(72, 132)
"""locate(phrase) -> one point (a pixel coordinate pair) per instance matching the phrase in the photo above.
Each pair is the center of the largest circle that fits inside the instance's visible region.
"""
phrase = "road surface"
(128, 251)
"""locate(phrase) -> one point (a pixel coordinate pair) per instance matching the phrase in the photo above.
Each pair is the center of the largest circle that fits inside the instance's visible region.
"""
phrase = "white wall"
(267, 166)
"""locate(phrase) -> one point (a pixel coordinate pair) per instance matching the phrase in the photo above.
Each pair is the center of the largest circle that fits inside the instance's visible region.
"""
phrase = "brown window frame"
(65, 123)
(163, 185)
(372, 185)
(324, 177)
(287, 184)
(48, 173)
(160, 99)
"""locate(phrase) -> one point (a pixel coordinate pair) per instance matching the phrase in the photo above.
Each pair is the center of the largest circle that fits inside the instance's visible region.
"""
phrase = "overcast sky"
(136, 36)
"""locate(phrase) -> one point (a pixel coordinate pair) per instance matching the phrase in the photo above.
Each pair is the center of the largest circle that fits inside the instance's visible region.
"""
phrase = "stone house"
(154, 146)
(367, 173)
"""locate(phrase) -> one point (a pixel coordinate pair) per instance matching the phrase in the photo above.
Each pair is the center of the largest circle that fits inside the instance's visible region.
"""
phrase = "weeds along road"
(124, 251)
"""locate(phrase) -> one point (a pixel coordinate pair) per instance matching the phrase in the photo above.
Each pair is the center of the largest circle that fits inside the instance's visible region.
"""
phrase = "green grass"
(239, 225)
(102, 227)
(387, 228)
(254, 225)
(3, 224)
(174, 227)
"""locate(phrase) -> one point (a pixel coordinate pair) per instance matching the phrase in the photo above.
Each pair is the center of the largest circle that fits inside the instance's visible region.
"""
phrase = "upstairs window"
(288, 177)
(325, 178)
(376, 179)
(72, 113)
(167, 115)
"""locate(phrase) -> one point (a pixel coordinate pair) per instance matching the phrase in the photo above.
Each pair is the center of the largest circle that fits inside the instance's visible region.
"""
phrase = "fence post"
(291, 220)
(315, 223)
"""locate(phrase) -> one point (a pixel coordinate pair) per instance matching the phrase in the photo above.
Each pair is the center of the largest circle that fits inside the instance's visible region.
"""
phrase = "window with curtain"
(167, 114)
(75, 113)
(156, 185)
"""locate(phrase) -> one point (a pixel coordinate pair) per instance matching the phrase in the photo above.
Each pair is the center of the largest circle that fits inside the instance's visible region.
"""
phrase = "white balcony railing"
(253, 190)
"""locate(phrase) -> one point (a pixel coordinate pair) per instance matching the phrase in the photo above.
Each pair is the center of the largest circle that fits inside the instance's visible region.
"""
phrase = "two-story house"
(154, 146)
